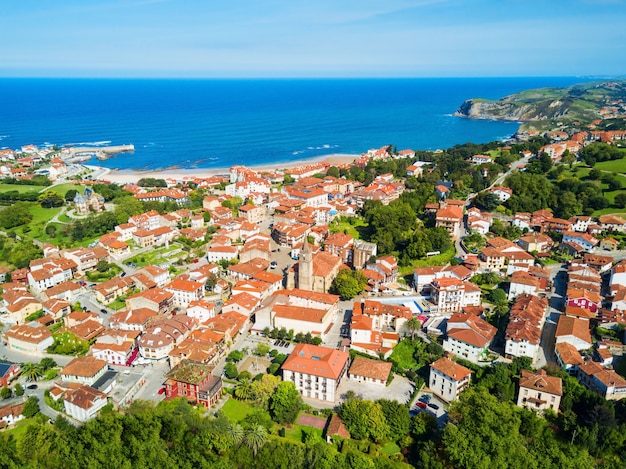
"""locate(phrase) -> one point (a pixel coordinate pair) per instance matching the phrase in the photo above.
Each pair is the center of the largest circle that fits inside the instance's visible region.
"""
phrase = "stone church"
(314, 271)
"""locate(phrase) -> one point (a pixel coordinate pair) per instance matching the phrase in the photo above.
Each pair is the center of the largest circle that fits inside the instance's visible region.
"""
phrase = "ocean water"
(218, 123)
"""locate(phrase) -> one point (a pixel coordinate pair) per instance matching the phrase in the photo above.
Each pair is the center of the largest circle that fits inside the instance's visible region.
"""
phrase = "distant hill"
(581, 102)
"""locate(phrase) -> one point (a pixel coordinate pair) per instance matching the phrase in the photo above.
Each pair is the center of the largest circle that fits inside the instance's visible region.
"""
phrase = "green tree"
(18, 215)
(244, 390)
(413, 325)
(235, 356)
(498, 296)
(50, 199)
(211, 282)
(31, 371)
(364, 419)
(333, 171)
(102, 266)
(70, 194)
(348, 283)
(620, 200)
(265, 387)
(5, 392)
(255, 437)
(397, 417)
(230, 370)
(31, 407)
(262, 350)
(285, 403)
(47, 363)
(19, 390)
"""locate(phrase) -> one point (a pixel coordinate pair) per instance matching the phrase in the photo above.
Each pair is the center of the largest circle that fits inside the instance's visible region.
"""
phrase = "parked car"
(433, 406)
(421, 405)
(161, 390)
(31, 386)
(425, 398)
(273, 265)
(104, 311)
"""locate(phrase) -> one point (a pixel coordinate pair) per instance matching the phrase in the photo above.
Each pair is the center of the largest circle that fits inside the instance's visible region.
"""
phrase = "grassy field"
(61, 189)
(157, 256)
(617, 166)
(440, 259)
(20, 188)
(352, 230)
(236, 410)
(41, 216)
(295, 433)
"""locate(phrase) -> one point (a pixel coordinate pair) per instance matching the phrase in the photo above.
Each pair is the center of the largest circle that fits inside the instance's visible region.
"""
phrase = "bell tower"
(305, 267)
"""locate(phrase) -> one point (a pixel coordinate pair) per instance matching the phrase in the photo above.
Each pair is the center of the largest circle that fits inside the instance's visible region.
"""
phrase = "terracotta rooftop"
(317, 361)
(451, 369)
(84, 366)
(368, 368)
(540, 381)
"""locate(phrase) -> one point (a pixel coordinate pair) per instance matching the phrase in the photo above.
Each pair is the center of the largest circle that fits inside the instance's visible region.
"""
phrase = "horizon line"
(330, 77)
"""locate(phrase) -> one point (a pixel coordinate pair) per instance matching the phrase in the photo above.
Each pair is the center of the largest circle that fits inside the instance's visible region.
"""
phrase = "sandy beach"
(129, 176)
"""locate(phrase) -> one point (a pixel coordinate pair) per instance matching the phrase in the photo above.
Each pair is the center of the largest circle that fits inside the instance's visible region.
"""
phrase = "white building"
(469, 337)
(84, 370)
(185, 291)
(539, 392)
(448, 379)
(84, 402)
(316, 371)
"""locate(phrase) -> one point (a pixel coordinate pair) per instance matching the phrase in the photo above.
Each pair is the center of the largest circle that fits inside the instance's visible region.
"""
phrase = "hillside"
(581, 102)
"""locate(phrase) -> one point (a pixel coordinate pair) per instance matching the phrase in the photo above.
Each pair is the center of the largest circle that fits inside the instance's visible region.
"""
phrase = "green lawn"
(61, 189)
(236, 410)
(157, 256)
(18, 431)
(351, 229)
(610, 211)
(20, 188)
(440, 259)
(617, 166)
(41, 216)
(295, 433)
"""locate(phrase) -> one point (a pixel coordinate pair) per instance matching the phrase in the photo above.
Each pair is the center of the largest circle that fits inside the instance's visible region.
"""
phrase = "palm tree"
(47, 363)
(244, 390)
(413, 325)
(236, 433)
(31, 371)
(255, 438)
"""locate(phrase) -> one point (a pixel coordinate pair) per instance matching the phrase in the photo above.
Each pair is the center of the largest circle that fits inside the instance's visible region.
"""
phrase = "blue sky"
(312, 38)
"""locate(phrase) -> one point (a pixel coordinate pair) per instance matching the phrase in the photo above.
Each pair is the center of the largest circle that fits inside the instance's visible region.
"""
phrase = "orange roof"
(451, 369)
(84, 366)
(576, 327)
(317, 361)
(568, 353)
(299, 313)
(184, 285)
(374, 369)
(540, 381)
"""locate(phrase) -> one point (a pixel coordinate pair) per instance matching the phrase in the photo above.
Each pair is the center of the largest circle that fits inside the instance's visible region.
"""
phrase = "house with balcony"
(448, 379)
(539, 392)
(316, 371)
(195, 382)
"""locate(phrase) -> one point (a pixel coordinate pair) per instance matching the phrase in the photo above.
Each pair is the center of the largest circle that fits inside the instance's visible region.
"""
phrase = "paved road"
(558, 276)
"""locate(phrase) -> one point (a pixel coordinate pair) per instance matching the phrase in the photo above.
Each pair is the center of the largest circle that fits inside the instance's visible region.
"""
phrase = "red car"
(421, 405)
(161, 391)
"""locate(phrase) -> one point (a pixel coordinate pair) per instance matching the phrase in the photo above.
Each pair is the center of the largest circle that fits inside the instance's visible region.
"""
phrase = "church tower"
(305, 267)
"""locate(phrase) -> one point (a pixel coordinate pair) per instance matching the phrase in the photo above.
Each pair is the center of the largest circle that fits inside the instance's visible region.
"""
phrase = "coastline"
(126, 176)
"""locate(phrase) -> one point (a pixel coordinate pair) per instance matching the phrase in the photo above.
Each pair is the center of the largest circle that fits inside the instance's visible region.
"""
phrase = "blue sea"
(218, 123)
